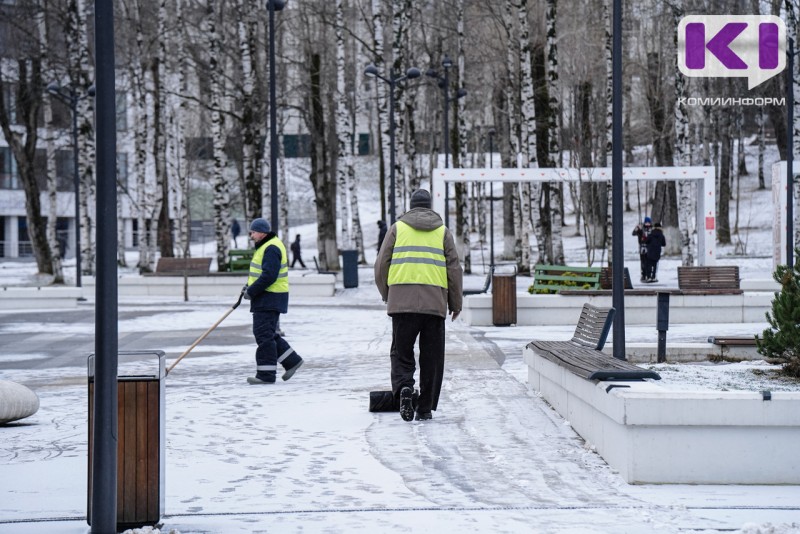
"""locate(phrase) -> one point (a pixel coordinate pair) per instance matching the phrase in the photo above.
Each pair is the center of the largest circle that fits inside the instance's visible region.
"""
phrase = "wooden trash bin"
(504, 299)
(140, 443)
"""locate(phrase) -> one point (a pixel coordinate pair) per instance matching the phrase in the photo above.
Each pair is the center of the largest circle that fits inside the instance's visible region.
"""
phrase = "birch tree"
(50, 152)
(221, 191)
(686, 193)
(553, 134)
(344, 167)
(529, 192)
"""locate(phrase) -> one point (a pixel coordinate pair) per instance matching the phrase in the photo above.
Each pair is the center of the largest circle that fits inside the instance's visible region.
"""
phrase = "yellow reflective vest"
(281, 284)
(418, 257)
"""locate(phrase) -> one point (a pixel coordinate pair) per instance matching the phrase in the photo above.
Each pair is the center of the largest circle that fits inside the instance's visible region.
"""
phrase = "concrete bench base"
(639, 309)
(653, 435)
(310, 285)
(30, 298)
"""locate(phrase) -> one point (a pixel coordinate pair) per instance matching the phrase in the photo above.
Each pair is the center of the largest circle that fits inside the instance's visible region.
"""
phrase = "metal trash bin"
(350, 268)
(504, 299)
(140, 440)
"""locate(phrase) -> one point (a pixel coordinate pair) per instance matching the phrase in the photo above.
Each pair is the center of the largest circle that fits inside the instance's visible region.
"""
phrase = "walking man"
(235, 230)
(641, 232)
(267, 290)
(419, 276)
(654, 242)
(296, 254)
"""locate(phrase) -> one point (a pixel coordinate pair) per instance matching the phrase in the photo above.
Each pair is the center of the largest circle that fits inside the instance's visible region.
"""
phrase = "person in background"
(381, 233)
(235, 231)
(654, 242)
(267, 289)
(296, 255)
(641, 232)
(419, 276)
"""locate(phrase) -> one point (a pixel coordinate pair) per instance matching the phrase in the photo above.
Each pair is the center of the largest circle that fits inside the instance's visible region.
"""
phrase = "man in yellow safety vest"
(419, 276)
(267, 290)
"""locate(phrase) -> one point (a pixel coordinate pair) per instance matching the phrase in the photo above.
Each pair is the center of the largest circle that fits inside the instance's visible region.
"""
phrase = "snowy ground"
(307, 456)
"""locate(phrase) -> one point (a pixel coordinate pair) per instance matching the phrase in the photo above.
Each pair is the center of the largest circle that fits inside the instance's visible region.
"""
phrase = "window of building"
(122, 169)
(8, 170)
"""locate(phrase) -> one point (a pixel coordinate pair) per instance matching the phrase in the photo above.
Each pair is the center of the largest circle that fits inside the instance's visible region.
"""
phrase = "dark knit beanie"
(420, 199)
(260, 225)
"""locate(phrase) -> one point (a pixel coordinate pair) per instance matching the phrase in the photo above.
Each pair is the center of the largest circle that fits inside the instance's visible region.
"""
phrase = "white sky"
(307, 456)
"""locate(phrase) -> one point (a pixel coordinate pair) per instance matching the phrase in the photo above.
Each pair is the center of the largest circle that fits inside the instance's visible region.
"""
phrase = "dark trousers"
(272, 348)
(650, 268)
(406, 327)
(295, 259)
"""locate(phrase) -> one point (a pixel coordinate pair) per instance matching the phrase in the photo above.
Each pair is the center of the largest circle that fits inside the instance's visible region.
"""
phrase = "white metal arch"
(706, 201)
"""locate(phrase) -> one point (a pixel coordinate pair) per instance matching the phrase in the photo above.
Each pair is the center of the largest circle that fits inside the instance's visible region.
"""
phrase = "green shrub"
(556, 283)
(782, 340)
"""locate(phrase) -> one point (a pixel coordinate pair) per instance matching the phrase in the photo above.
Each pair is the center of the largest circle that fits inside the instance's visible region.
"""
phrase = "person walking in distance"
(267, 289)
(641, 231)
(419, 276)
(296, 256)
(235, 231)
(654, 242)
(381, 233)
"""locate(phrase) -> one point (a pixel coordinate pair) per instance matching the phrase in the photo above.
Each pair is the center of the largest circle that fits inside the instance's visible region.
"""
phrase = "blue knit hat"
(260, 225)
(647, 220)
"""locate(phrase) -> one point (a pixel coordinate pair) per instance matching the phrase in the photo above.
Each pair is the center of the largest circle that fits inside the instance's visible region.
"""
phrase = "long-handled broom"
(201, 338)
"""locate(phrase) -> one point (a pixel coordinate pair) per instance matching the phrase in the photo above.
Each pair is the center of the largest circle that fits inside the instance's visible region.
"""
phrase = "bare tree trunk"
(553, 149)
(27, 103)
(324, 184)
(52, 180)
(344, 168)
(686, 191)
(382, 104)
(221, 191)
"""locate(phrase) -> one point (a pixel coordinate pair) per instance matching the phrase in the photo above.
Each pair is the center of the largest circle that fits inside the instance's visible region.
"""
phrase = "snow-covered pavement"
(307, 456)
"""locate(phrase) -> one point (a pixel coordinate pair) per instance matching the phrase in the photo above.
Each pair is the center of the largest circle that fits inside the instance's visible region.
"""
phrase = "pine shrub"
(781, 341)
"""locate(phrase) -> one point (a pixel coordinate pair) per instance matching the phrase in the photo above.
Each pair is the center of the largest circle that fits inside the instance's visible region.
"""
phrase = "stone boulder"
(16, 402)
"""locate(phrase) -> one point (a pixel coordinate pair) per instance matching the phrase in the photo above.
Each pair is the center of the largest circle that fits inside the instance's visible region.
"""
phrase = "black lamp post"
(492, 132)
(71, 98)
(272, 7)
(372, 72)
(444, 83)
(790, 154)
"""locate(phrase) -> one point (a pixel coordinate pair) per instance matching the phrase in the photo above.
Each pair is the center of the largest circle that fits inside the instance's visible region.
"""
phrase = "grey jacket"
(418, 298)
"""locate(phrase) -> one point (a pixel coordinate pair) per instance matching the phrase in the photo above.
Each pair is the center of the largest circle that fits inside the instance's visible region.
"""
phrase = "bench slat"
(594, 365)
(181, 265)
(719, 277)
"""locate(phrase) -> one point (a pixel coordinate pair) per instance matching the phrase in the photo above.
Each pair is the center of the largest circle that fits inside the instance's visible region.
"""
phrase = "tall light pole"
(272, 7)
(444, 83)
(790, 154)
(393, 79)
(491, 201)
(71, 98)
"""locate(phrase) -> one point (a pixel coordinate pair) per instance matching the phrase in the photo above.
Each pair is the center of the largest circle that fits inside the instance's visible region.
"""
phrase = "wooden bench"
(554, 278)
(607, 278)
(734, 341)
(181, 266)
(709, 280)
(239, 259)
(486, 284)
(582, 354)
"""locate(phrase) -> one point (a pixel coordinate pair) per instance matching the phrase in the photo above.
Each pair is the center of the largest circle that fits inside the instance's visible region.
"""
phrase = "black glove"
(245, 294)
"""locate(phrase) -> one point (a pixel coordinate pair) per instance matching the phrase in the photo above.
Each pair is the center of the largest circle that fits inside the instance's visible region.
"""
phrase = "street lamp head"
(371, 71)
(413, 72)
(447, 62)
(277, 5)
(53, 88)
(92, 91)
(492, 132)
(461, 93)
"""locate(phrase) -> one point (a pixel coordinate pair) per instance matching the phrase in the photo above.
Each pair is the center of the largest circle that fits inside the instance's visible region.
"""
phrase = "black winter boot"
(407, 404)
